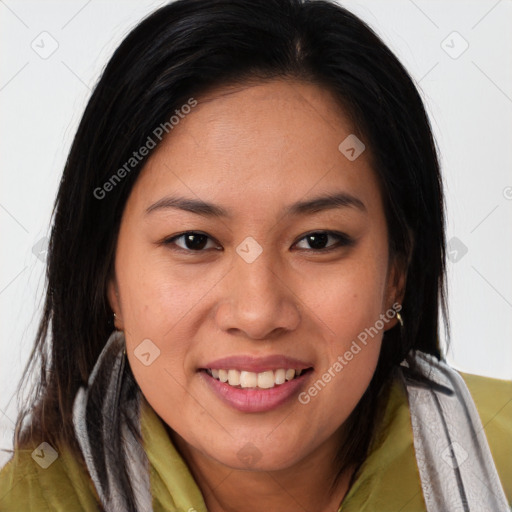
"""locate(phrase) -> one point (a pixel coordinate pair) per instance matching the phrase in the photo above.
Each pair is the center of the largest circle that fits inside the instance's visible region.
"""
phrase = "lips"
(252, 384)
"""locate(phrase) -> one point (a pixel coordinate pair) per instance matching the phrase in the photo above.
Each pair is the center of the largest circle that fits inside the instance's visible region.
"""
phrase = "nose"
(257, 301)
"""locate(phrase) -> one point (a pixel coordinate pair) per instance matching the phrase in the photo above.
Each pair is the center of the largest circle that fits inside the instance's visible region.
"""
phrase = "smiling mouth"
(252, 380)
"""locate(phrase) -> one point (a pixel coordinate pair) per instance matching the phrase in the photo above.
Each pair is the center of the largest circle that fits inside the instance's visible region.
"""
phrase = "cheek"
(155, 302)
(159, 296)
(347, 298)
(349, 356)
(347, 308)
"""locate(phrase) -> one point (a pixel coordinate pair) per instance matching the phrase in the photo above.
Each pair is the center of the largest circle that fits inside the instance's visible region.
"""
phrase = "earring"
(115, 326)
(399, 318)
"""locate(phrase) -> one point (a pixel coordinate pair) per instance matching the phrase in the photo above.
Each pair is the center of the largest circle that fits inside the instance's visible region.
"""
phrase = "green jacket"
(387, 481)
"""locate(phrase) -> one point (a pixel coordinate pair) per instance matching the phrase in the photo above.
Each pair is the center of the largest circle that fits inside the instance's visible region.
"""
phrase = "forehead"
(269, 142)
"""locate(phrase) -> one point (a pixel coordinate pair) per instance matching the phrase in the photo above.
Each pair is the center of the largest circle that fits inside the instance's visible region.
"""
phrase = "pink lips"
(255, 399)
(257, 364)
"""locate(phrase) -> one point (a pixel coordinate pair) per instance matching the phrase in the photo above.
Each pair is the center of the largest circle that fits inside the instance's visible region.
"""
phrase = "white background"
(469, 99)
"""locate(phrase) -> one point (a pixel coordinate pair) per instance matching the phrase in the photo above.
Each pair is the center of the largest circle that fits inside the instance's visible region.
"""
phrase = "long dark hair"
(181, 51)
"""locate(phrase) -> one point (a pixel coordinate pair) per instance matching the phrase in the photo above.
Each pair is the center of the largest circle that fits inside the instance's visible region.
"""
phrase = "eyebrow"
(316, 204)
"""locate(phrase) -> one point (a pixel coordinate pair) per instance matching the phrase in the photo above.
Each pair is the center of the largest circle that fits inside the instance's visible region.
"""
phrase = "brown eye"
(191, 241)
(319, 240)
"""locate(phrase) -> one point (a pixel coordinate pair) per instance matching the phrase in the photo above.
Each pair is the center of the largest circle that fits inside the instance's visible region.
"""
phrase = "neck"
(307, 485)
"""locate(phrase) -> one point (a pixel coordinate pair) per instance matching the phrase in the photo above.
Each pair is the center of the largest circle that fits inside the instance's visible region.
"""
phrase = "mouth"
(256, 384)
(259, 391)
(267, 379)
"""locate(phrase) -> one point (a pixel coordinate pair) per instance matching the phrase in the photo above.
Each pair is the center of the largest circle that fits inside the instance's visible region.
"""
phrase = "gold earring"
(399, 318)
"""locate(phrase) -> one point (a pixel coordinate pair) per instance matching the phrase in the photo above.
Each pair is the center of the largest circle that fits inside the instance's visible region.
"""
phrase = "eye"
(318, 241)
(194, 241)
(191, 241)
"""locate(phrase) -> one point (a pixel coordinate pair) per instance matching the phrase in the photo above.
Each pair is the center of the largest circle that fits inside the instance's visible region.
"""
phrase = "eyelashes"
(198, 242)
(320, 237)
(197, 239)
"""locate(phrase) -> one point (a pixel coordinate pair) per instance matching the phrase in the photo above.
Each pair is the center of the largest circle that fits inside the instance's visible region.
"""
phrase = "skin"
(254, 150)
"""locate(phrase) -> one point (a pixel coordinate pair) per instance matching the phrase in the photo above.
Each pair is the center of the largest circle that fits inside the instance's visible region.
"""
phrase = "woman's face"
(256, 279)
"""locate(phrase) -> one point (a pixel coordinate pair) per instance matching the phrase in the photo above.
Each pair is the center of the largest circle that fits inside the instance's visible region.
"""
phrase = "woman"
(244, 276)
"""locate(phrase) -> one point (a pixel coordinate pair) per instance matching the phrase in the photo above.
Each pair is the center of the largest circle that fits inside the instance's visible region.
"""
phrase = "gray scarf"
(106, 418)
(455, 464)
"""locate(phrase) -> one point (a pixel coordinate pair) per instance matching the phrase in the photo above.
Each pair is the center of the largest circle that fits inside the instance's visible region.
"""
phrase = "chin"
(250, 457)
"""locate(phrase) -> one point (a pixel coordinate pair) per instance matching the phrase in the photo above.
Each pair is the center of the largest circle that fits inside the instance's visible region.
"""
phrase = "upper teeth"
(264, 380)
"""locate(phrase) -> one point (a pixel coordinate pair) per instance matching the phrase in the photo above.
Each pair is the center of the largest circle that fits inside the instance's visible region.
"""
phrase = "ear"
(395, 287)
(115, 303)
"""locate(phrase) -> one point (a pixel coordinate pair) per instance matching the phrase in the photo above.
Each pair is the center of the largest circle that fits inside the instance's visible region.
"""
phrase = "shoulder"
(493, 400)
(45, 478)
